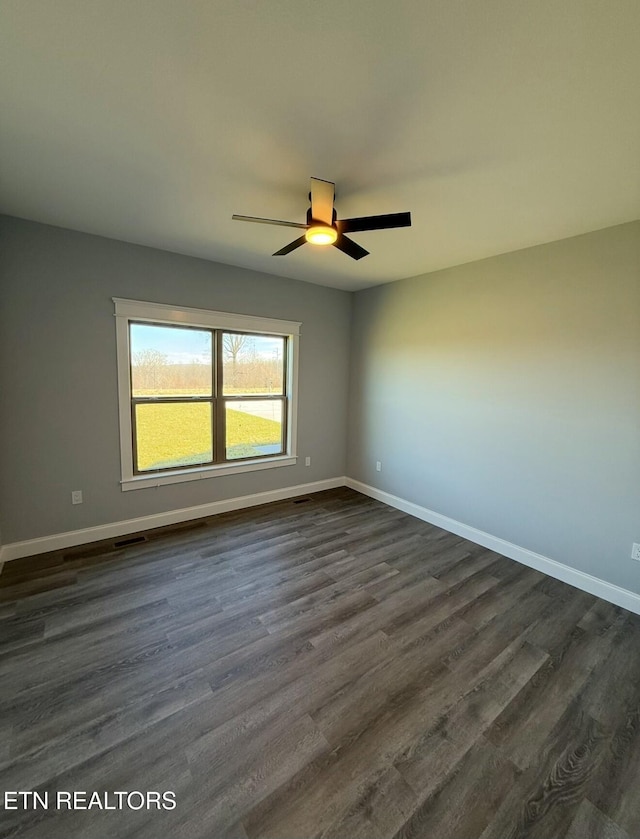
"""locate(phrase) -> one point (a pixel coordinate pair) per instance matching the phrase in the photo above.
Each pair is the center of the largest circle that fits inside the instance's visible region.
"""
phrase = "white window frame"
(140, 311)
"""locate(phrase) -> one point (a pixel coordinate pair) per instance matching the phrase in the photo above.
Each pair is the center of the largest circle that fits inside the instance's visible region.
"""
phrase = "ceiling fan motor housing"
(313, 221)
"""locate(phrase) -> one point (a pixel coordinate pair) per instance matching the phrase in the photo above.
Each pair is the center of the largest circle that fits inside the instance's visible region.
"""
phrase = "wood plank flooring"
(318, 667)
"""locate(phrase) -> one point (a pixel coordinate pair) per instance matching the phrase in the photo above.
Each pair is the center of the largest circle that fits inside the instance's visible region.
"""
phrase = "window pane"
(170, 361)
(252, 364)
(254, 429)
(173, 434)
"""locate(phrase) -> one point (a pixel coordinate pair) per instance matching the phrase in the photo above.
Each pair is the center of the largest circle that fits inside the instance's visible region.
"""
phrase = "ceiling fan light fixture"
(321, 234)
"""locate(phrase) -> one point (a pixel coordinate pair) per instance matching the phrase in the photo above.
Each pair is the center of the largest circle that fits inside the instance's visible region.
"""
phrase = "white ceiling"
(498, 123)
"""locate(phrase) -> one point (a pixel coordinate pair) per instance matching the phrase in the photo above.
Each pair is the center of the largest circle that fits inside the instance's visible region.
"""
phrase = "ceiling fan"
(324, 228)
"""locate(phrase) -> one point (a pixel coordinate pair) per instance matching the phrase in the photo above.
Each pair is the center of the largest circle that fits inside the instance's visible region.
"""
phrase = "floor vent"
(124, 543)
(301, 500)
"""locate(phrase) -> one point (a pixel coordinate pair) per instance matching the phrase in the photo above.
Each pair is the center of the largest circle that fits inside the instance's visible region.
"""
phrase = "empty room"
(320, 419)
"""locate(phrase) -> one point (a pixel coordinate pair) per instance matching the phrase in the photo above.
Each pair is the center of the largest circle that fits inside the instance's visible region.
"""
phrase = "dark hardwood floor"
(320, 667)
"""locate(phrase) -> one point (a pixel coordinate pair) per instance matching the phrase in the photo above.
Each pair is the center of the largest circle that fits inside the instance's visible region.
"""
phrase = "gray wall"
(58, 393)
(505, 394)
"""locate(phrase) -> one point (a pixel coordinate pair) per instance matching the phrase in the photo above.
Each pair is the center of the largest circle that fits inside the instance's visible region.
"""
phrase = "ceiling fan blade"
(269, 221)
(384, 222)
(322, 196)
(349, 247)
(290, 247)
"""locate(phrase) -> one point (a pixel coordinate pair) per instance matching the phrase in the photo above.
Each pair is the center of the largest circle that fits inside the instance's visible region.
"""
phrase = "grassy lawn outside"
(179, 434)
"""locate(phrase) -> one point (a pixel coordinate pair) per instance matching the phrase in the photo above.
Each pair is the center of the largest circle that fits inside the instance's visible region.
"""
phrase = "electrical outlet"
(307, 461)
(76, 496)
(635, 551)
(378, 466)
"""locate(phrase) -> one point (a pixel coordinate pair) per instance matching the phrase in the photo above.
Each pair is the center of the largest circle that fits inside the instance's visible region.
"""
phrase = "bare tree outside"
(233, 345)
(148, 369)
(235, 349)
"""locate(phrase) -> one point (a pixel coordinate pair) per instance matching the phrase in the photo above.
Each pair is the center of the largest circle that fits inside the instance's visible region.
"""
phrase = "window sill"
(200, 473)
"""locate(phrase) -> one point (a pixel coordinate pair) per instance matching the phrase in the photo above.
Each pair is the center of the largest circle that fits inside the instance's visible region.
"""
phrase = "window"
(203, 393)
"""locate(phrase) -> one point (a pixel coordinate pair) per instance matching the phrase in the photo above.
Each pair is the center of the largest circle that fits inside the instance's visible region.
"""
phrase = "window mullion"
(220, 424)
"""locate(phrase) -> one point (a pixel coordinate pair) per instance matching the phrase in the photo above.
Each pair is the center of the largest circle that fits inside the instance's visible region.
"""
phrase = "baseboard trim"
(579, 579)
(31, 547)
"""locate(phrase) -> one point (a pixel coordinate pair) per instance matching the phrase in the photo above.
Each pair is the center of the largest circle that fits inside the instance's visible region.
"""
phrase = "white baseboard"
(31, 547)
(579, 579)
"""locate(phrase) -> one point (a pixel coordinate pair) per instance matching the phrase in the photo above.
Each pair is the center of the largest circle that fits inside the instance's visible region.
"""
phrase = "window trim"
(140, 311)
